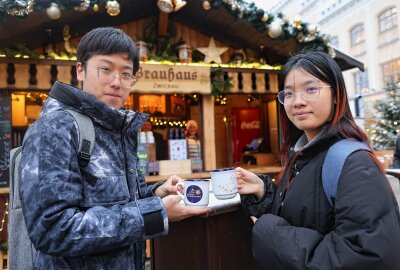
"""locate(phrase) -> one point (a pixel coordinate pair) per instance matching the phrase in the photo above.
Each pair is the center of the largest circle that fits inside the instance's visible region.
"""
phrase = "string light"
(162, 122)
(4, 215)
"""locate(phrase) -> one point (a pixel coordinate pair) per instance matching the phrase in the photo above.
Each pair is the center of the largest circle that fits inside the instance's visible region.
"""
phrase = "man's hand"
(249, 183)
(176, 211)
(169, 187)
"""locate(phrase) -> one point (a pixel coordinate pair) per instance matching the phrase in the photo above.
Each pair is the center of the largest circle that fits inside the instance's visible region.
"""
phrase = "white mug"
(224, 183)
(197, 192)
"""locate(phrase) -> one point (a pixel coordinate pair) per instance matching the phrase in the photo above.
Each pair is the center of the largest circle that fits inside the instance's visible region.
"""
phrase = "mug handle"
(177, 190)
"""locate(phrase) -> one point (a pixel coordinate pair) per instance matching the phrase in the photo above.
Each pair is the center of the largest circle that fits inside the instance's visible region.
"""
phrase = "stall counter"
(218, 240)
(270, 170)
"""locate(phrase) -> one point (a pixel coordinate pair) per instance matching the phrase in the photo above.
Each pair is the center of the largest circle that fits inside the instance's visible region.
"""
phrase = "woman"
(193, 140)
(297, 228)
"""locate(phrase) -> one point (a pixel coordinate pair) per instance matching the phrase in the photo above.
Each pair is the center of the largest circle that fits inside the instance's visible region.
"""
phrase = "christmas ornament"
(265, 17)
(113, 8)
(274, 30)
(165, 6)
(96, 7)
(212, 53)
(216, 4)
(83, 6)
(206, 5)
(178, 4)
(24, 8)
(297, 22)
(312, 29)
(260, 12)
(53, 11)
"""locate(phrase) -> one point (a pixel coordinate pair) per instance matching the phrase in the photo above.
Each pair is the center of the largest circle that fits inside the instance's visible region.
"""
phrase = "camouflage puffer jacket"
(73, 221)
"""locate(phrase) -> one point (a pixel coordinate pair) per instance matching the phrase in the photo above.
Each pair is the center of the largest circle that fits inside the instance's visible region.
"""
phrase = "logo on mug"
(194, 194)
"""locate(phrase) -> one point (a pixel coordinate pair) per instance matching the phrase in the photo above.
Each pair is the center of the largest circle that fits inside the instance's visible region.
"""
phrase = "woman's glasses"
(287, 96)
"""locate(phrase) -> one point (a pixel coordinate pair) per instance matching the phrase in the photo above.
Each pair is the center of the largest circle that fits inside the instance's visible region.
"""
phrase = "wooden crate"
(170, 167)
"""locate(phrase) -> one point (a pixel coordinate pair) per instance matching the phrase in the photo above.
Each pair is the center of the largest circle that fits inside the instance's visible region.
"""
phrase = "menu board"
(5, 138)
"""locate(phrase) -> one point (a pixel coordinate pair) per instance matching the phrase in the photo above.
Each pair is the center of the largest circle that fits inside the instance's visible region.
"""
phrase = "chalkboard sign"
(5, 138)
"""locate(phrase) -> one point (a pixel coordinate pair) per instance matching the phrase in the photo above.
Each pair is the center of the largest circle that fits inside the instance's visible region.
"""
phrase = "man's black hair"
(106, 41)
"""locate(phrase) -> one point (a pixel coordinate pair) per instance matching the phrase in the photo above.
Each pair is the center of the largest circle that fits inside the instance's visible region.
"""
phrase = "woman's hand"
(253, 218)
(169, 187)
(249, 183)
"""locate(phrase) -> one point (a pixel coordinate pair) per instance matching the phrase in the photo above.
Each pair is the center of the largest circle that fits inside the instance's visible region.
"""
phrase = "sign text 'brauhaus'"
(155, 78)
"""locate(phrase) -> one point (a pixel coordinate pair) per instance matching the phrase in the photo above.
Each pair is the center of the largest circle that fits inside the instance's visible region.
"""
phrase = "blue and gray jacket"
(80, 222)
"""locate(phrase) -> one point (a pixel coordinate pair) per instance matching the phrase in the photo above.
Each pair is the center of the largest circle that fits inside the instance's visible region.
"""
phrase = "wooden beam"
(163, 24)
(208, 131)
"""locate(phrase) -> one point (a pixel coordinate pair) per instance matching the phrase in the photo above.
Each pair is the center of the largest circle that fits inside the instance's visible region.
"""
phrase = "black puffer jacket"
(298, 229)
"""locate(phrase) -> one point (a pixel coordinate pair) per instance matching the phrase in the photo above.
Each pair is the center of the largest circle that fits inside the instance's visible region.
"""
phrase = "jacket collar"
(99, 111)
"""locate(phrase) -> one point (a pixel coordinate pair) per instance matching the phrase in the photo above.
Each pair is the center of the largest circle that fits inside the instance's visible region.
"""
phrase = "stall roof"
(237, 33)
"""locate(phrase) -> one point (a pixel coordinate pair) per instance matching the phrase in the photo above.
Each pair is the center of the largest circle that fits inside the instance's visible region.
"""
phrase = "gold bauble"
(113, 8)
(297, 21)
(206, 5)
(265, 17)
(96, 7)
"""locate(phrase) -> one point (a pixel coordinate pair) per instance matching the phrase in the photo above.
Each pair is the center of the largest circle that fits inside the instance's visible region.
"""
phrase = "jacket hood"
(99, 111)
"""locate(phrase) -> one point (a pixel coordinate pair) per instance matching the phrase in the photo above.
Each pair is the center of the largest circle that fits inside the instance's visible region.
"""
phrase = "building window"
(361, 82)
(335, 42)
(357, 34)
(391, 72)
(387, 19)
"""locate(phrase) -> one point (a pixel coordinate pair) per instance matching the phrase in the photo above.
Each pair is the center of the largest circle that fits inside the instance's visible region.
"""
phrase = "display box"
(179, 167)
(177, 149)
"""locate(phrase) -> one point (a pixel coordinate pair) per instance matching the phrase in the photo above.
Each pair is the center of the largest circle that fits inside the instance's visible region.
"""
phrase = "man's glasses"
(287, 96)
(105, 74)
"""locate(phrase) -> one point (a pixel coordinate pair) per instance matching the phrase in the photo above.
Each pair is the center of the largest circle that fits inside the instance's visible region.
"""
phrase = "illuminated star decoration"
(212, 53)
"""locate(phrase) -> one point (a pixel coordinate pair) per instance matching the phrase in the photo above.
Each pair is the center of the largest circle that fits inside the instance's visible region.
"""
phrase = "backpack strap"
(14, 201)
(86, 137)
(334, 162)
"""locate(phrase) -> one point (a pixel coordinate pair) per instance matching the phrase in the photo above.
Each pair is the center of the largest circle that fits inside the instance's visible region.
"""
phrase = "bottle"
(177, 134)
(171, 135)
(142, 137)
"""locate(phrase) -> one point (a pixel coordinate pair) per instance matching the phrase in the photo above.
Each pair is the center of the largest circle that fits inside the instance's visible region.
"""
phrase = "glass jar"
(142, 48)
(185, 53)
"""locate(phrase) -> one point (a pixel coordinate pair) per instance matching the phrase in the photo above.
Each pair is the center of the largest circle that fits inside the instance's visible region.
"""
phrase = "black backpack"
(22, 253)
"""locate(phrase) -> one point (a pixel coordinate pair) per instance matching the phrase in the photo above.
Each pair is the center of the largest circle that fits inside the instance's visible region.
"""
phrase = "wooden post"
(208, 130)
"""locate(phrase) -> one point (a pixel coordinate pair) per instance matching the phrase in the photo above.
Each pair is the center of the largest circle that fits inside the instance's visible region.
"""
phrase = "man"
(96, 217)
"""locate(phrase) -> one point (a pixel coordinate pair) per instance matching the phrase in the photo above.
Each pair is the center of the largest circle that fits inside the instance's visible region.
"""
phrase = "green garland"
(304, 37)
(218, 82)
(18, 49)
(3, 246)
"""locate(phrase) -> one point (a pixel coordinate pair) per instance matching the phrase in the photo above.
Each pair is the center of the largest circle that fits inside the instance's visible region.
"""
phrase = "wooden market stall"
(174, 85)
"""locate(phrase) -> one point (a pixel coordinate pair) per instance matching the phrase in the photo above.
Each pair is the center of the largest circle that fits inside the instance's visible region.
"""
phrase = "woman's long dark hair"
(321, 66)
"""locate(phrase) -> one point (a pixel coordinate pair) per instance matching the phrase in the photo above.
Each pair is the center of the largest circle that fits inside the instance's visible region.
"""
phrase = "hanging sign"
(165, 79)
(5, 138)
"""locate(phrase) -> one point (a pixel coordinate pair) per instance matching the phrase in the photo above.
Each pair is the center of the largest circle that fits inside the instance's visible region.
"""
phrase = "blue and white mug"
(196, 192)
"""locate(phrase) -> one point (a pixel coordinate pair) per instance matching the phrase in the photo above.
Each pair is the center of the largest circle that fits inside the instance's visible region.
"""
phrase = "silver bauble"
(53, 11)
